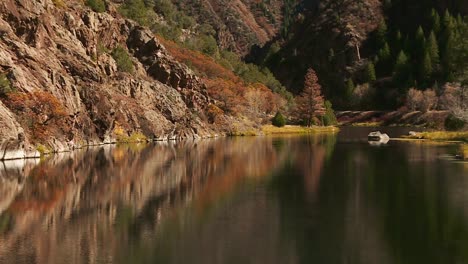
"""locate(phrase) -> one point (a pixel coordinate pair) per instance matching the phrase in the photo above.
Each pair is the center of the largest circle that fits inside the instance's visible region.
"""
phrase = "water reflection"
(322, 199)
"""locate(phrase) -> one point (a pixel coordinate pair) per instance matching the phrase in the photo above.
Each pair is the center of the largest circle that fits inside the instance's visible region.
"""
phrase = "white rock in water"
(378, 137)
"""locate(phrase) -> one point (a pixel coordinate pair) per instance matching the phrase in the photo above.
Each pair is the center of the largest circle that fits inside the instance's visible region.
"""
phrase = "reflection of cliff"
(75, 208)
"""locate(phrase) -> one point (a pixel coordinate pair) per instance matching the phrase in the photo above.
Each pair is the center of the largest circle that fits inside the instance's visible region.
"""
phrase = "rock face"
(65, 50)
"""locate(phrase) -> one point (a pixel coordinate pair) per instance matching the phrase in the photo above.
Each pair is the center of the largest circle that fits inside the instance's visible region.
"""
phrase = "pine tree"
(435, 20)
(310, 103)
(460, 51)
(402, 74)
(433, 49)
(447, 44)
(381, 34)
(385, 58)
(370, 73)
(425, 69)
(419, 45)
(397, 43)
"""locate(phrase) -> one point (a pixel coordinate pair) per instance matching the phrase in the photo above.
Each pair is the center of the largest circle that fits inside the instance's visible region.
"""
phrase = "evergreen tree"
(435, 21)
(402, 74)
(419, 45)
(385, 58)
(397, 43)
(447, 46)
(460, 51)
(433, 49)
(278, 120)
(329, 119)
(425, 69)
(370, 73)
(381, 34)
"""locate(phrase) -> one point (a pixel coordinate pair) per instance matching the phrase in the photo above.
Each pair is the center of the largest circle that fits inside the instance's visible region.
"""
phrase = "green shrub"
(278, 120)
(123, 60)
(96, 5)
(137, 10)
(329, 119)
(5, 85)
(452, 123)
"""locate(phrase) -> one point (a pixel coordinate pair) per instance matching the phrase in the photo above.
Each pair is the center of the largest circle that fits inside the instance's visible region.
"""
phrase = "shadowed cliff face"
(65, 51)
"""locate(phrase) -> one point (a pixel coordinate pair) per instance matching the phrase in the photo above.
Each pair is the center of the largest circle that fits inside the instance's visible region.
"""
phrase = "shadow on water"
(307, 199)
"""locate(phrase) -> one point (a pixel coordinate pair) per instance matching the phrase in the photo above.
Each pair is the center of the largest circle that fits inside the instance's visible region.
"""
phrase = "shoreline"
(266, 130)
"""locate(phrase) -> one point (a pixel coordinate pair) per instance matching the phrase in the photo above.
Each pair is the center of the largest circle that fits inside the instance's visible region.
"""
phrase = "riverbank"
(286, 130)
(272, 130)
(445, 136)
(403, 117)
(441, 136)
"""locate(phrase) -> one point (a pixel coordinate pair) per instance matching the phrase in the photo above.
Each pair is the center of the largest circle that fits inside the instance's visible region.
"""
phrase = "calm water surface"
(303, 199)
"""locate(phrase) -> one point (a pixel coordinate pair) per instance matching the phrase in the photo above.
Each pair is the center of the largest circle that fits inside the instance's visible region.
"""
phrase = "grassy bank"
(367, 124)
(464, 151)
(442, 136)
(286, 130)
(272, 130)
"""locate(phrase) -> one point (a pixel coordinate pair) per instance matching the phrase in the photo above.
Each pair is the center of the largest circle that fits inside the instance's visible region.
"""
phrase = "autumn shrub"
(278, 120)
(96, 5)
(122, 136)
(454, 100)
(5, 85)
(414, 98)
(363, 95)
(229, 95)
(429, 101)
(421, 100)
(40, 113)
(123, 59)
(213, 112)
(198, 61)
(58, 3)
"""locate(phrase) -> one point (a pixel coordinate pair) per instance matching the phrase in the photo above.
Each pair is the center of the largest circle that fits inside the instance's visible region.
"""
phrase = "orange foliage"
(228, 94)
(40, 113)
(231, 93)
(202, 63)
(213, 112)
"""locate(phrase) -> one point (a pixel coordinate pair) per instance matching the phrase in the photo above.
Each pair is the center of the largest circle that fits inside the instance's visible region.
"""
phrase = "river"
(291, 199)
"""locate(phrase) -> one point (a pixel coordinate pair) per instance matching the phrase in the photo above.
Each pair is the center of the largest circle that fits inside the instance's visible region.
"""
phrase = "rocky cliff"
(65, 84)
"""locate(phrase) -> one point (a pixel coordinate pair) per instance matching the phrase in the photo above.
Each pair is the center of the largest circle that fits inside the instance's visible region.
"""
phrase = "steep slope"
(68, 91)
(239, 24)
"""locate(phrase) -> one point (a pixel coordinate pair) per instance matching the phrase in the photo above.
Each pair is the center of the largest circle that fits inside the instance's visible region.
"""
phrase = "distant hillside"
(351, 43)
